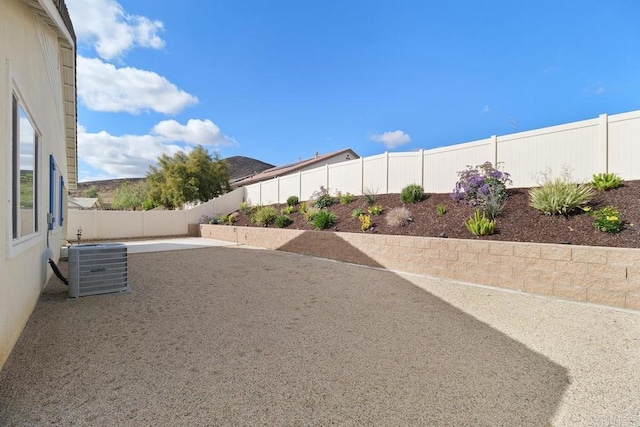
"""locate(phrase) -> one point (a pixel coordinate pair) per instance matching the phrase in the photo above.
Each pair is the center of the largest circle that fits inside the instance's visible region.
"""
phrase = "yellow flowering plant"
(608, 219)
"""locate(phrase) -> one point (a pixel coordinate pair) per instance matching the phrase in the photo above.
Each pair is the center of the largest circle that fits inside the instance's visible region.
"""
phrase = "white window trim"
(20, 244)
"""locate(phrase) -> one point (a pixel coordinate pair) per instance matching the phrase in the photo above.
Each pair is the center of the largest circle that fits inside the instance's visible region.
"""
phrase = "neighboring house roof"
(317, 160)
(84, 203)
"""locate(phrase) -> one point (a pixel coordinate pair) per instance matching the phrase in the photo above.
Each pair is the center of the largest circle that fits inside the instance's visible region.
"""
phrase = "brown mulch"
(518, 222)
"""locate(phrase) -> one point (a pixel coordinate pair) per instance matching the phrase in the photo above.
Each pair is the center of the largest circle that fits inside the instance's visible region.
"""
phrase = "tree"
(91, 192)
(187, 178)
(129, 196)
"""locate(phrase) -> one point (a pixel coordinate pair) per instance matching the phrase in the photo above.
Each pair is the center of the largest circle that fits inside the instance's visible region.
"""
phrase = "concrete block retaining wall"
(609, 276)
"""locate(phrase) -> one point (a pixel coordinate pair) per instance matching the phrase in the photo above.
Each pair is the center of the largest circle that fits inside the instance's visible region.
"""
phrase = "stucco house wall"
(37, 74)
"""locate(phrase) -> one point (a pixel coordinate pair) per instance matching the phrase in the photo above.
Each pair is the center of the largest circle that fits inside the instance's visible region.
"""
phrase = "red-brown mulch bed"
(518, 222)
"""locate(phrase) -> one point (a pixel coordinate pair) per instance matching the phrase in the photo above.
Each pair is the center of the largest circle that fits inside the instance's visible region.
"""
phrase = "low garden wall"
(609, 276)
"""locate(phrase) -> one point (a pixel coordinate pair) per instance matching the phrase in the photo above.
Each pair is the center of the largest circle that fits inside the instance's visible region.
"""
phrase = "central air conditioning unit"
(97, 269)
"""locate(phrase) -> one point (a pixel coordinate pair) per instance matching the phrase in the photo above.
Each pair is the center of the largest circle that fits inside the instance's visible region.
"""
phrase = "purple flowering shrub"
(483, 185)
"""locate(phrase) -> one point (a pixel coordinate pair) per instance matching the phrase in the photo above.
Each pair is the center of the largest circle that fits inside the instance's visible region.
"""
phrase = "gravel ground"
(241, 336)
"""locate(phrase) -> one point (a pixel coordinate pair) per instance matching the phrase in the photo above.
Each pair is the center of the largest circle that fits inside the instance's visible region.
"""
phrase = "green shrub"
(282, 221)
(288, 210)
(559, 195)
(303, 207)
(412, 193)
(245, 208)
(480, 225)
(346, 198)
(357, 212)
(324, 219)
(322, 198)
(310, 213)
(370, 196)
(606, 181)
(608, 219)
(264, 215)
(365, 222)
(375, 209)
(441, 209)
(292, 200)
(493, 203)
(398, 217)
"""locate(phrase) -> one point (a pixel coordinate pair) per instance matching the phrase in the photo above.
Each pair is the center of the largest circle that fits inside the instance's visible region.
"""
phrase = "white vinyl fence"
(101, 225)
(604, 144)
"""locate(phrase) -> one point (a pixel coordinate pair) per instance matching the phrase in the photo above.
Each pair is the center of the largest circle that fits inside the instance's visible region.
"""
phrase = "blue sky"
(279, 80)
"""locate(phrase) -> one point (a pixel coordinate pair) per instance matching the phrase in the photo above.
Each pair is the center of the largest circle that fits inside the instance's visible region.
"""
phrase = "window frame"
(17, 243)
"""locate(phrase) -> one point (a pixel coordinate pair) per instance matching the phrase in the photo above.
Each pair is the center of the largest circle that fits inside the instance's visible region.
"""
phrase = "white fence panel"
(311, 181)
(252, 194)
(269, 192)
(346, 177)
(223, 205)
(164, 223)
(289, 186)
(576, 146)
(624, 145)
(441, 165)
(374, 174)
(78, 219)
(119, 224)
(404, 169)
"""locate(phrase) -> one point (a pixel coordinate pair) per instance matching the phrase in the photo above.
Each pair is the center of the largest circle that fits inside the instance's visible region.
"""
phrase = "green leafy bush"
(310, 213)
(288, 210)
(412, 193)
(398, 217)
(346, 198)
(264, 215)
(357, 212)
(375, 209)
(282, 221)
(245, 208)
(324, 219)
(559, 195)
(303, 207)
(606, 181)
(480, 225)
(365, 222)
(292, 200)
(441, 209)
(608, 219)
(322, 198)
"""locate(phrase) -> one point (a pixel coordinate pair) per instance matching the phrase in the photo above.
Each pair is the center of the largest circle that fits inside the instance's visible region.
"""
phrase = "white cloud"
(393, 139)
(597, 88)
(103, 87)
(131, 155)
(111, 31)
(486, 109)
(196, 132)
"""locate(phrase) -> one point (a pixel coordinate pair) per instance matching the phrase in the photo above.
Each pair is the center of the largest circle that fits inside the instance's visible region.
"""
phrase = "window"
(24, 208)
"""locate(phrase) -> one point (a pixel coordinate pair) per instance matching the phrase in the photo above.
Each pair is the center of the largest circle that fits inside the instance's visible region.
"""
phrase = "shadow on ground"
(233, 336)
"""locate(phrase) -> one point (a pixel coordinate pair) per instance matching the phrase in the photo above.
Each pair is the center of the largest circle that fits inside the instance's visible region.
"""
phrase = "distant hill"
(239, 167)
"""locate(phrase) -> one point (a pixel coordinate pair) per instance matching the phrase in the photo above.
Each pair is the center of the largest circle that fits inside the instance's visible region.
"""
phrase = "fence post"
(386, 173)
(278, 184)
(361, 175)
(603, 134)
(299, 185)
(260, 192)
(421, 154)
(326, 168)
(494, 149)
